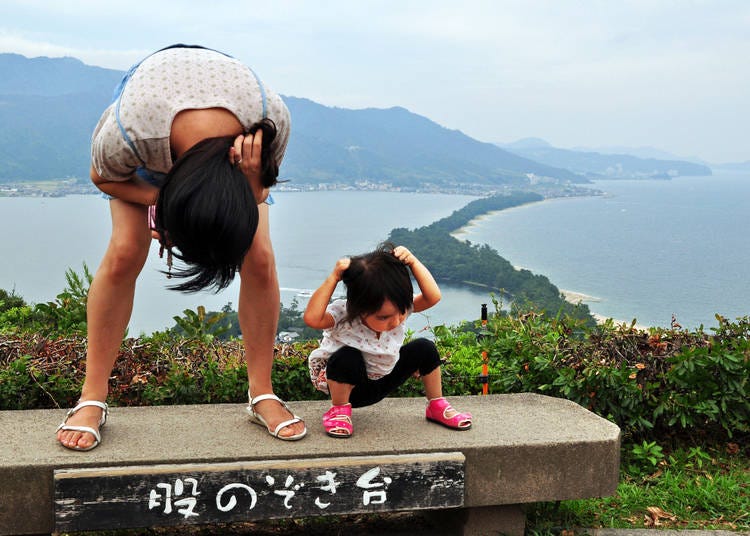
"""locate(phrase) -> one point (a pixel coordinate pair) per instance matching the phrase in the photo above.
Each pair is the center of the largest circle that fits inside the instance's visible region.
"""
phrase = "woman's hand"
(245, 154)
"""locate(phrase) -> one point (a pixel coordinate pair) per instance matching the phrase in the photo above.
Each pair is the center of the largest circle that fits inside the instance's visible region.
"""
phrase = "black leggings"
(347, 365)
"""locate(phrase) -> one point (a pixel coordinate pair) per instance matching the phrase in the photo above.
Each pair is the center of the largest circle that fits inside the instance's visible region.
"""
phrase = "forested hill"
(50, 106)
(457, 261)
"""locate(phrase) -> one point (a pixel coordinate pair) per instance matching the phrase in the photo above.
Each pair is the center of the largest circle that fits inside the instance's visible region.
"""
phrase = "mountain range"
(599, 165)
(49, 107)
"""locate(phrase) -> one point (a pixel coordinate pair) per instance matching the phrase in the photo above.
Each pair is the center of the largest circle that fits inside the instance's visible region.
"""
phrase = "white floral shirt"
(167, 83)
(380, 353)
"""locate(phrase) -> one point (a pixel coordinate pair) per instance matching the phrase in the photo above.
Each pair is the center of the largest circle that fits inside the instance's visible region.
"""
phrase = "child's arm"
(430, 291)
(316, 315)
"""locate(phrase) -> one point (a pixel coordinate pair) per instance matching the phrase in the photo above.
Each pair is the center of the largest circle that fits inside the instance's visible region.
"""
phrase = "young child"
(362, 358)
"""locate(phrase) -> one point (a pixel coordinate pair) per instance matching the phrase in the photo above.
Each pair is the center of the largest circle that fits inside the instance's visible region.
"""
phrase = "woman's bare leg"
(258, 314)
(109, 306)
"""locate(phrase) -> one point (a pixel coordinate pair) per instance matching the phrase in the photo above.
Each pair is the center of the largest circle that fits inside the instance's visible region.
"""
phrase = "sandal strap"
(260, 420)
(89, 403)
(284, 424)
(93, 431)
(340, 417)
(448, 408)
(267, 396)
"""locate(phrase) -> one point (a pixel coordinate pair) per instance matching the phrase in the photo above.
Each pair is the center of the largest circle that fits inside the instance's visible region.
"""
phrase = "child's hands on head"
(404, 255)
(341, 265)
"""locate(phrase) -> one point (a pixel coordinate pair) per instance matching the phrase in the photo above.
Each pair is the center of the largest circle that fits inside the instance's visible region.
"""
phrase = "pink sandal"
(338, 421)
(437, 411)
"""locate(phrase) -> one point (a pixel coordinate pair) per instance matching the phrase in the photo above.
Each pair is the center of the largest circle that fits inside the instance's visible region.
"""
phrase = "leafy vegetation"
(453, 260)
(654, 384)
(228, 325)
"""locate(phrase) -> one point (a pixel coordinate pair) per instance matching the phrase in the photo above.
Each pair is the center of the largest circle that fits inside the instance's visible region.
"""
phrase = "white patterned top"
(380, 353)
(167, 83)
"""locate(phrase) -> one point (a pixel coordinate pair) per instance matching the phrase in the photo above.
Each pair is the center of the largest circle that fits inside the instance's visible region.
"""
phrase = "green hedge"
(652, 383)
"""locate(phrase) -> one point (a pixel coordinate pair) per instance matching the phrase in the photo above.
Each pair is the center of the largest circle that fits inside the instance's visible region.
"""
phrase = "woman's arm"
(134, 191)
(430, 292)
(316, 315)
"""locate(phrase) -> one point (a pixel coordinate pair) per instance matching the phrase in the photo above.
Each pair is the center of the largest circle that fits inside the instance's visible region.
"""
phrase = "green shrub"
(652, 383)
(10, 300)
(67, 314)
(201, 325)
(649, 382)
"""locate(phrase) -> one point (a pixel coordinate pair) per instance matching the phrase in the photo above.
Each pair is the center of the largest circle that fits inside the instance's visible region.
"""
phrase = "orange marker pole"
(484, 378)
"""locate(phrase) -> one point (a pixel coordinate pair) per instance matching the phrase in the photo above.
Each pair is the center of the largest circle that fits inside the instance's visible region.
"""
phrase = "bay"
(40, 238)
(645, 250)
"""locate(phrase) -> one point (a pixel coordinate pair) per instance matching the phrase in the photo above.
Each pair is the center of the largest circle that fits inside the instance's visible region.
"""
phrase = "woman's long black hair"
(206, 209)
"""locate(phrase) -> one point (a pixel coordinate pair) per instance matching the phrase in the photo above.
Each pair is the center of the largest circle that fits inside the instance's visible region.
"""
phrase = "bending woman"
(195, 133)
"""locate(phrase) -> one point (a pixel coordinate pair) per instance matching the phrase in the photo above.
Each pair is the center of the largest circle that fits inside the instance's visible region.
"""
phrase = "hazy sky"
(671, 74)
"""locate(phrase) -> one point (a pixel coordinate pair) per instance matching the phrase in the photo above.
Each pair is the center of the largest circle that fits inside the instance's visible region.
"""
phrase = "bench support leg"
(508, 520)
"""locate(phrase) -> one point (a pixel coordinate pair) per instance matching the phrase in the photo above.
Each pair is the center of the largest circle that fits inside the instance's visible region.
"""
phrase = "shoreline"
(459, 233)
(576, 298)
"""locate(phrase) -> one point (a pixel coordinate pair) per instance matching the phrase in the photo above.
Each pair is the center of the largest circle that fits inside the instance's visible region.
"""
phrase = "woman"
(196, 133)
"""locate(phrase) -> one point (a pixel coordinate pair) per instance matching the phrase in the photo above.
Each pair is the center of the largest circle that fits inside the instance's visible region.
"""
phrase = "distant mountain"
(49, 107)
(643, 151)
(597, 165)
(47, 137)
(397, 146)
(739, 167)
(525, 143)
(52, 77)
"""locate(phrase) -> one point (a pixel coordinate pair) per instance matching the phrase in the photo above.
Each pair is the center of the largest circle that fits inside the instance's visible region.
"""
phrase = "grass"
(690, 488)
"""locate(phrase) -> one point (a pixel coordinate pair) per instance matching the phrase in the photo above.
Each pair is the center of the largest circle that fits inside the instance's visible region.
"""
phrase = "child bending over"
(362, 357)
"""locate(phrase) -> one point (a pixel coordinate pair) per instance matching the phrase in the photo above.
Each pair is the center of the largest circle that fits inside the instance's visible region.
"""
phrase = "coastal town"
(548, 187)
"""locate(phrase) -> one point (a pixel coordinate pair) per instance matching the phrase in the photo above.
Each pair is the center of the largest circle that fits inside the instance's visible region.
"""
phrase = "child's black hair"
(206, 209)
(375, 277)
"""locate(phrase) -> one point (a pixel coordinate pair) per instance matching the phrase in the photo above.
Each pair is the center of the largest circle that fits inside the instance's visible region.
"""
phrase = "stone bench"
(174, 465)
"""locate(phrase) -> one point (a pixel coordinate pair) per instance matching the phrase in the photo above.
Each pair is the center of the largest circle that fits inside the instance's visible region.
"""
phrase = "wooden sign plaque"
(163, 495)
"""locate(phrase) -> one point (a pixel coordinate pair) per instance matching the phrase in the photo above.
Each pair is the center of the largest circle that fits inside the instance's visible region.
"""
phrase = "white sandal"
(257, 418)
(93, 431)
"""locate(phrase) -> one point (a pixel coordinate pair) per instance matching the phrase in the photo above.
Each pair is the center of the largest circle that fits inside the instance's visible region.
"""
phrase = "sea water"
(40, 238)
(645, 250)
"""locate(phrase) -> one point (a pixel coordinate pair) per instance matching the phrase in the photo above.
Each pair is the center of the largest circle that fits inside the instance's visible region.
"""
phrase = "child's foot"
(441, 412)
(337, 421)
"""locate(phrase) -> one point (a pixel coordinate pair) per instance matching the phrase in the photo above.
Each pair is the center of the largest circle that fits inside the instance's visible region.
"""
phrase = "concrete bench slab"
(522, 448)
